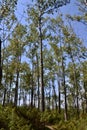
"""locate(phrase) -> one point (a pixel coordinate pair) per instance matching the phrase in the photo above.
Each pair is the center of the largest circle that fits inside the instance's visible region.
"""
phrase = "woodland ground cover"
(27, 118)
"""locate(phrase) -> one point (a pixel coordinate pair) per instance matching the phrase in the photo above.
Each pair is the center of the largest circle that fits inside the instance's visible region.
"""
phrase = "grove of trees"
(43, 61)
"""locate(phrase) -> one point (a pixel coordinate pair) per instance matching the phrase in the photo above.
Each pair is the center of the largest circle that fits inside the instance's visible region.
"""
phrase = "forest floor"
(27, 118)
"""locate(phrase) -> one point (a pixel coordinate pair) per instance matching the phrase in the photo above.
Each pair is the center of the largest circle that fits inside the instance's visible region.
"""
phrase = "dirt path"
(50, 127)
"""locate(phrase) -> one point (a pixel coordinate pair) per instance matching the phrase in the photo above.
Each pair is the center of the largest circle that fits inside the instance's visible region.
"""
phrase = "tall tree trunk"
(24, 98)
(75, 81)
(34, 102)
(64, 85)
(85, 94)
(32, 87)
(4, 98)
(55, 96)
(20, 92)
(18, 60)
(86, 104)
(41, 62)
(59, 94)
(53, 100)
(38, 81)
(49, 104)
(76, 86)
(0, 64)
(16, 88)
(9, 93)
(64, 82)
(5, 88)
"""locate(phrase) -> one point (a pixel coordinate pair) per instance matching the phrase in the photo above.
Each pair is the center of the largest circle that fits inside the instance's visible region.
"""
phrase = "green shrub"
(27, 118)
(51, 117)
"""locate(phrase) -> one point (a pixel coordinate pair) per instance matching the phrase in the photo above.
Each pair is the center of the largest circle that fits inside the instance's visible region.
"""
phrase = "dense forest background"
(43, 65)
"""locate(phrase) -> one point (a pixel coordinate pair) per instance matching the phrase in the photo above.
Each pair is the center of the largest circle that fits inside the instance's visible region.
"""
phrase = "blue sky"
(80, 29)
(71, 8)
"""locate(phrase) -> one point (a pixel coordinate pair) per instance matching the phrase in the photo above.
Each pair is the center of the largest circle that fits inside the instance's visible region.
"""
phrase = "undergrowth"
(27, 118)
